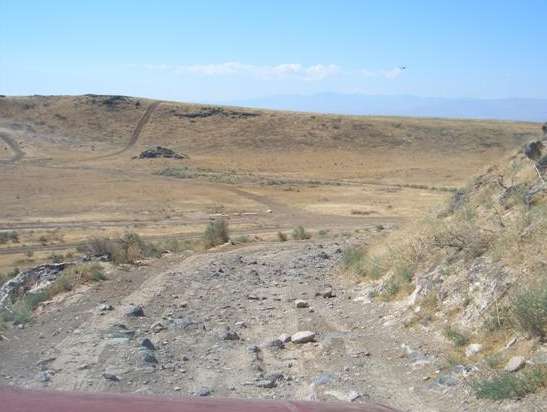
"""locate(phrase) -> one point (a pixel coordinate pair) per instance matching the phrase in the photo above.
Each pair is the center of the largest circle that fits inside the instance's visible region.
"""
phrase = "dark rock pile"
(159, 151)
(30, 279)
(215, 111)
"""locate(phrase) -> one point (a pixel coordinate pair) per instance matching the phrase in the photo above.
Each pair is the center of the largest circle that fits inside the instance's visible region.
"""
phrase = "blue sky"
(226, 50)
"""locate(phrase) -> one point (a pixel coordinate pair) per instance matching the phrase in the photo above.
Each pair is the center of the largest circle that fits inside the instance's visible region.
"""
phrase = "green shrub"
(405, 271)
(529, 310)
(216, 233)
(456, 337)
(510, 385)
(9, 236)
(282, 237)
(299, 233)
(18, 313)
(21, 311)
(391, 288)
(352, 259)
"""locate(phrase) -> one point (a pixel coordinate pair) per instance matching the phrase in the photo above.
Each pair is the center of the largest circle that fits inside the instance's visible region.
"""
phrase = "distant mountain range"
(523, 109)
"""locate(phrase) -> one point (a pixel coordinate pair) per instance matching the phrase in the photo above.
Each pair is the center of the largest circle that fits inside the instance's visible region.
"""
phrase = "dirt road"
(136, 132)
(18, 153)
(214, 320)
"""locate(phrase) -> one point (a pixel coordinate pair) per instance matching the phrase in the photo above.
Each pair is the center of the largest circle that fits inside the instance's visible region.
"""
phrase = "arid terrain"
(70, 172)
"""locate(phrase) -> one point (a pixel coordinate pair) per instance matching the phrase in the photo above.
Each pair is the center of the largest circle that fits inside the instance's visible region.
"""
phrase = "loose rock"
(303, 337)
(473, 349)
(111, 377)
(230, 335)
(203, 392)
(104, 307)
(147, 343)
(135, 311)
(515, 363)
(326, 293)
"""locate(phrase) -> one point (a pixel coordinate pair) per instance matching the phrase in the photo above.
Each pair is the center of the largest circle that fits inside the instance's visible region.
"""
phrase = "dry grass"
(75, 276)
(295, 159)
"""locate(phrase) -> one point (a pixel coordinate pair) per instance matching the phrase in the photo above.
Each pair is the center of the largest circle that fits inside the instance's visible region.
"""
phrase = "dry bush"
(9, 236)
(242, 239)
(282, 237)
(216, 233)
(299, 233)
(76, 275)
(127, 249)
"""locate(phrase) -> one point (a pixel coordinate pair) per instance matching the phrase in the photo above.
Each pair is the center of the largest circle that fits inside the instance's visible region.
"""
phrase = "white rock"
(299, 303)
(473, 349)
(303, 337)
(284, 338)
(515, 363)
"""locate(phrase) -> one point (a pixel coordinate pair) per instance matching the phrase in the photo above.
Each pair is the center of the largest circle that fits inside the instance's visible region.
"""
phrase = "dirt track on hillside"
(18, 153)
(135, 135)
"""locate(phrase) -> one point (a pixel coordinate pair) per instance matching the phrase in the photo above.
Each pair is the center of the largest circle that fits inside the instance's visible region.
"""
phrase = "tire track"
(18, 154)
(135, 135)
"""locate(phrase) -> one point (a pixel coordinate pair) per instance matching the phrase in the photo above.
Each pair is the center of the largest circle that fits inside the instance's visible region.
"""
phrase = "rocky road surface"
(267, 320)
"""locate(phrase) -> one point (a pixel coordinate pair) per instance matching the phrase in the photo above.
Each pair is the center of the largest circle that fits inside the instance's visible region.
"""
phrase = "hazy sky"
(214, 50)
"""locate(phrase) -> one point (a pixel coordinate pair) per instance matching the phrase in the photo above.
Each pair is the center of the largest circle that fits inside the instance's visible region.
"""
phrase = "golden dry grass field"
(68, 170)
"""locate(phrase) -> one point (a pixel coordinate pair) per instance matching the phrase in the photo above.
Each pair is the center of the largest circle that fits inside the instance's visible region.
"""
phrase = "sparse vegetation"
(529, 310)
(176, 246)
(352, 259)
(4, 277)
(216, 233)
(299, 233)
(242, 239)
(76, 275)
(457, 338)
(511, 386)
(56, 258)
(20, 312)
(282, 237)
(127, 249)
(9, 236)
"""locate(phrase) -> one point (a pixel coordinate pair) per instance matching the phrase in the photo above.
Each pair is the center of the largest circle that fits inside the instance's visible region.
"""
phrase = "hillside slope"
(475, 274)
(384, 148)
